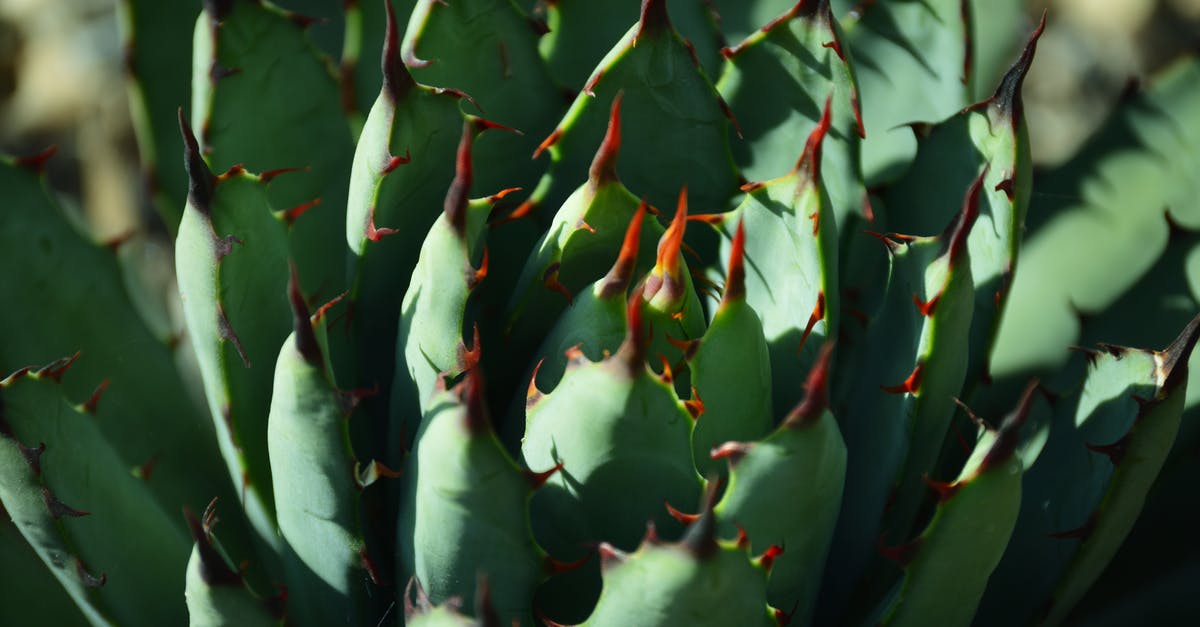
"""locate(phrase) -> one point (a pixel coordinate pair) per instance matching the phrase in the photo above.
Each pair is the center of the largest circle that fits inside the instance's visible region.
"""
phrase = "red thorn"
(523, 210)
(926, 307)
(1009, 434)
(269, 175)
(956, 234)
(836, 47)
(550, 140)
(1081, 532)
(478, 275)
(782, 618)
(574, 354)
(394, 162)
(290, 215)
(695, 405)
(816, 386)
(909, 385)
(633, 349)
(818, 314)
(56, 369)
(495, 198)
(858, 121)
(903, 554)
(306, 340)
(468, 359)
(742, 541)
(733, 451)
(89, 580)
(144, 471)
(36, 162)
(369, 565)
(581, 225)
(810, 160)
(90, 404)
(654, 18)
(709, 218)
(1007, 186)
(455, 205)
(667, 376)
(538, 479)
(321, 311)
(767, 559)
(550, 280)
(618, 277)
(666, 275)
(234, 170)
(557, 567)
(944, 490)
(532, 393)
(589, 88)
(33, 456)
(375, 234)
(1115, 451)
(682, 517)
(687, 347)
(604, 165)
(752, 186)
(735, 282)
(57, 508)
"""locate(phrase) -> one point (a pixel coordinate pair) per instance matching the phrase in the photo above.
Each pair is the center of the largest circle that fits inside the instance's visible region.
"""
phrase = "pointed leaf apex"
(654, 18)
(617, 279)
(816, 398)
(666, 276)
(1009, 434)
(472, 396)
(632, 352)
(1172, 361)
(396, 78)
(200, 178)
(213, 568)
(810, 160)
(306, 340)
(1008, 94)
(455, 205)
(604, 165)
(735, 281)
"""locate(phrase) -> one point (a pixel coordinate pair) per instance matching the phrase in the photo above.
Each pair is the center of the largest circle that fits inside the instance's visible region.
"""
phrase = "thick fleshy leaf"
(263, 97)
(94, 524)
(1109, 198)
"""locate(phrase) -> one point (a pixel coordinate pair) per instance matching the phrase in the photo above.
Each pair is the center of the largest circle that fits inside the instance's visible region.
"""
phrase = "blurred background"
(62, 83)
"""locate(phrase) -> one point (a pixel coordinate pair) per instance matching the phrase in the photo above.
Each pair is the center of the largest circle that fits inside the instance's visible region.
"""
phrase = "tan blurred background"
(61, 83)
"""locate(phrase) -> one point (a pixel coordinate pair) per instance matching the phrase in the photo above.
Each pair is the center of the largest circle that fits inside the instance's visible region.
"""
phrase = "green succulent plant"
(712, 356)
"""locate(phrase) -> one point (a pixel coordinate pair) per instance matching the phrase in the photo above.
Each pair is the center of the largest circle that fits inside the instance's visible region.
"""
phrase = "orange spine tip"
(810, 160)
(695, 405)
(735, 281)
(604, 165)
(909, 386)
(816, 316)
(682, 517)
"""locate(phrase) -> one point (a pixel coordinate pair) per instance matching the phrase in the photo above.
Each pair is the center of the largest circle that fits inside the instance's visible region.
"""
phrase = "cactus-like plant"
(448, 384)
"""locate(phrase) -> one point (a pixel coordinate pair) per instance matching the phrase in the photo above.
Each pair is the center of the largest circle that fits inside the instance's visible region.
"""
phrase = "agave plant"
(749, 340)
